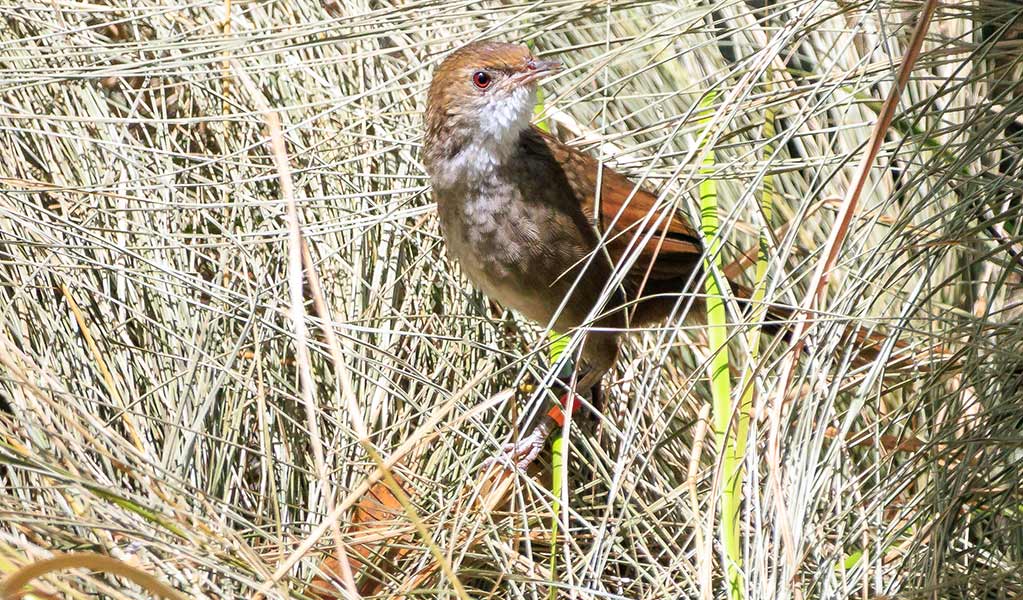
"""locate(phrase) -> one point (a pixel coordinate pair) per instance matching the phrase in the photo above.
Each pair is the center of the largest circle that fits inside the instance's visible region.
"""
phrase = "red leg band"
(569, 402)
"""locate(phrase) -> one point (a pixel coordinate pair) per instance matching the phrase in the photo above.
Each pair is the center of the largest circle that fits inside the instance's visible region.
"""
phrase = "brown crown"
(452, 76)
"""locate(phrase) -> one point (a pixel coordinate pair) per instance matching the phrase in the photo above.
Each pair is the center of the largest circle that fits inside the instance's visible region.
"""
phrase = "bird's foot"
(521, 453)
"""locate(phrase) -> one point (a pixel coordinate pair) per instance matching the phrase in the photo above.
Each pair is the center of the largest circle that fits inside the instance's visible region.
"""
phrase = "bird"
(539, 226)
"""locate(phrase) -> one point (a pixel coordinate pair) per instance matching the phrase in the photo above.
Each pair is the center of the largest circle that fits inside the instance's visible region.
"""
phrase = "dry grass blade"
(11, 586)
(818, 283)
(208, 370)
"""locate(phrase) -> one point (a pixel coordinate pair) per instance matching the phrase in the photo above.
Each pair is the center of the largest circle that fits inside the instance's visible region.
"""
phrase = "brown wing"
(627, 216)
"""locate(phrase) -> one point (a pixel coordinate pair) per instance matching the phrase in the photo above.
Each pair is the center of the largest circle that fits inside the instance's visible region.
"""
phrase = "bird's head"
(485, 91)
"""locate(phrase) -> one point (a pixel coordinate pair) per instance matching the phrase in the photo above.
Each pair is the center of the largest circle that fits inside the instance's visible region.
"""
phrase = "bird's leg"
(599, 353)
(524, 451)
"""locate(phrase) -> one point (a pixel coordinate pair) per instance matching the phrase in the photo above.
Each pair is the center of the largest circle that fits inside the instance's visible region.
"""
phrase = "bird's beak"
(536, 69)
(545, 66)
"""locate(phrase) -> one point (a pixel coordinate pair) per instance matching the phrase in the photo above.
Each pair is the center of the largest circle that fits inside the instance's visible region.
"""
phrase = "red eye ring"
(481, 80)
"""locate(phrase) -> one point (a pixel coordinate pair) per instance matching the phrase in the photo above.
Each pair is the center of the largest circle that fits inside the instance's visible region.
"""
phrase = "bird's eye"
(481, 80)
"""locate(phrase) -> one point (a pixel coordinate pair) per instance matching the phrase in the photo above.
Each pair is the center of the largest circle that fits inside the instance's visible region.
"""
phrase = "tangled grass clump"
(216, 337)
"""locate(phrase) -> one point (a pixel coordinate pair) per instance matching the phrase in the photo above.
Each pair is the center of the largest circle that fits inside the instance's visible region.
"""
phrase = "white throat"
(503, 121)
(506, 117)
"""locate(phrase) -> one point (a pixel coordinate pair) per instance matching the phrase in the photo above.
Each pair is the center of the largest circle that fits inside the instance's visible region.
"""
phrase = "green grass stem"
(721, 385)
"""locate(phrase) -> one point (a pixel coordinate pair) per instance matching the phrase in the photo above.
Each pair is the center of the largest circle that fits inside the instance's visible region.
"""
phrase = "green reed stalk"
(720, 380)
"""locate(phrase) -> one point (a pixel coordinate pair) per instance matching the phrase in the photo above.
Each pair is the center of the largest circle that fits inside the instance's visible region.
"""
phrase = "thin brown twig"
(297, 303)
(815, 295)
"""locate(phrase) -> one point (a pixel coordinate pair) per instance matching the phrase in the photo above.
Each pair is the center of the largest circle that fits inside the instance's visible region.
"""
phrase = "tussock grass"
(150, 367)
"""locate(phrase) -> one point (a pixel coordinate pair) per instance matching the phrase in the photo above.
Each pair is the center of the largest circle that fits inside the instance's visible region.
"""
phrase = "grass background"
(150, 373)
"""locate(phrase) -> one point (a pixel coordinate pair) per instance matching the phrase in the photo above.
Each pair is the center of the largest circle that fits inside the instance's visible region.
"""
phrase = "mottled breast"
(496, 238)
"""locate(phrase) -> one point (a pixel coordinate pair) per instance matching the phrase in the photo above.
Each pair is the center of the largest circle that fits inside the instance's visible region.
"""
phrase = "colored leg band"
(556, 415)
(569, 403)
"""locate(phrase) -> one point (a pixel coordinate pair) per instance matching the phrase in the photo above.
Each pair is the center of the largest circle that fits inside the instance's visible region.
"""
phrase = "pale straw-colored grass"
(161, 406)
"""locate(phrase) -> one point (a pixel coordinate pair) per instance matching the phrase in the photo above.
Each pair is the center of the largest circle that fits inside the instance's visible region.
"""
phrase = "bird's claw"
(519, 454)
